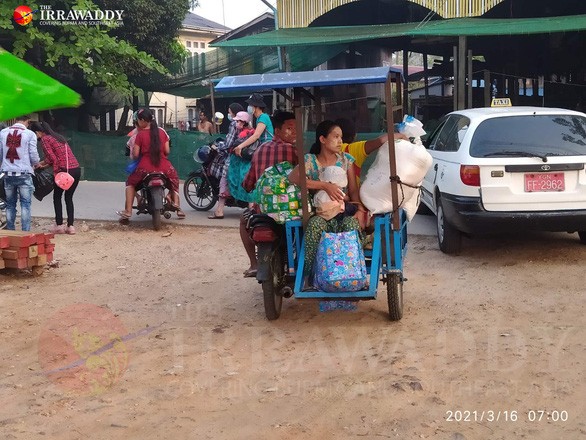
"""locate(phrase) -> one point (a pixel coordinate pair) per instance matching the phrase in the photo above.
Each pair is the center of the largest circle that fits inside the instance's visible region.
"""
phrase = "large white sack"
(413, 162)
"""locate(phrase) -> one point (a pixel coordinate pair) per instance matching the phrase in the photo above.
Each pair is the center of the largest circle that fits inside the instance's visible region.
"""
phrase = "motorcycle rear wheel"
(199, 193)
(271, 288)
(156, 194)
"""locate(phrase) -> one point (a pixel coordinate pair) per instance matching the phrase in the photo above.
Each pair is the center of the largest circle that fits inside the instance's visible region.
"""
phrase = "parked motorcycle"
(201, 189)
(2, 202)
(152, 199)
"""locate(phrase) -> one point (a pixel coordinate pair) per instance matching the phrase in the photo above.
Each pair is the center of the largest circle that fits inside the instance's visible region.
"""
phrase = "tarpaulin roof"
(304, 79)
(191, 79)
(451, 27)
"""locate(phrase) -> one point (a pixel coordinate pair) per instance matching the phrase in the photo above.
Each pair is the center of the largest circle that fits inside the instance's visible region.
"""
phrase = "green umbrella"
(25, 89)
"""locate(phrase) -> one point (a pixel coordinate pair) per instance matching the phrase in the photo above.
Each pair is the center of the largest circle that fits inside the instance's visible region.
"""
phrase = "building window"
(188, 44)
(190, 115)
(160, 120)
(202, 45)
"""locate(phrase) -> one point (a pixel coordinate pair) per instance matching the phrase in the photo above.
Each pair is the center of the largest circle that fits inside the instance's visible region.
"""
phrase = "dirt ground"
(156, 335)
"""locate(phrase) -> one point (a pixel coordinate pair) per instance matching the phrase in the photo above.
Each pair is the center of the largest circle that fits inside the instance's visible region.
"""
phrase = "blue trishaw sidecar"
(281, 257)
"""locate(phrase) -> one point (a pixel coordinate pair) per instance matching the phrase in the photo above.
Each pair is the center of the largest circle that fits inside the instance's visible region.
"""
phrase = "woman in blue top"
(327, 151)
(263, 132)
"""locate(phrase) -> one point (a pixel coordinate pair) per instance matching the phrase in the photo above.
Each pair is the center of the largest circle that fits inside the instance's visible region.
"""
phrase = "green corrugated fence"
(102, 158)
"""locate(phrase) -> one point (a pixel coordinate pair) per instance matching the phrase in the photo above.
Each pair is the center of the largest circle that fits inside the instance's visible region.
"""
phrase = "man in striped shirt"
(279, 149)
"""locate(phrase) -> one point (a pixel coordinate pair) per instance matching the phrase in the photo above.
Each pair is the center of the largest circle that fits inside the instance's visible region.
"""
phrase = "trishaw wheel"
(395, 296)
(273, 299)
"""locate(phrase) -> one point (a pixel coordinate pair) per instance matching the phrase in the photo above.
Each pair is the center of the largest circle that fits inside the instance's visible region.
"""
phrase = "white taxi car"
(505, 169)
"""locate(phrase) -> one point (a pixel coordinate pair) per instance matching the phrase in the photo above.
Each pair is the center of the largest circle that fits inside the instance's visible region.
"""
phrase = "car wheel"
(448, 237)
(582, 235)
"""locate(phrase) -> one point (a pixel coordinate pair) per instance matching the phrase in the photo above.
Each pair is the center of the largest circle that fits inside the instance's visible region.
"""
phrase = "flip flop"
(180, 215)
(215, 217)
(123, 215)
(250, 273)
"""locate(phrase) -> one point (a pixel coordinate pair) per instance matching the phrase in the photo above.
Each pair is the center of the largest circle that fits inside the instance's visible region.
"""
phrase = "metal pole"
(391, 146)
(406, 83)
(455, 86)
(461, 72)
(486, 88)
(279, 54)
(470, 78)
(301, 153)
(176, 122)
(212, 99)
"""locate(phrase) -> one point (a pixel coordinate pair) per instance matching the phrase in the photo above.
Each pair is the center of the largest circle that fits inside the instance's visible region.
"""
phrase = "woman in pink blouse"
(58, 154)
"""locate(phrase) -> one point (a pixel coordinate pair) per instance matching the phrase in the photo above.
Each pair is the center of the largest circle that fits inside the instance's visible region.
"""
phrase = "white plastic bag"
(413, 162)
(411, 127)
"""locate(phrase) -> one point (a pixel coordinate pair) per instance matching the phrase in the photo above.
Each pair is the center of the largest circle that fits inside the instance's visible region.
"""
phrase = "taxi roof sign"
(501, 102)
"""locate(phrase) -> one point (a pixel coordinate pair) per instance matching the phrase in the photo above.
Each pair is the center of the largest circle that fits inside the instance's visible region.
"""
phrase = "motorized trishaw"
(280, 248)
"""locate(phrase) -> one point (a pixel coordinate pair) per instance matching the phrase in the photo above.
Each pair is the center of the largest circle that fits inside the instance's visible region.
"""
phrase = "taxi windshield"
(531, 135)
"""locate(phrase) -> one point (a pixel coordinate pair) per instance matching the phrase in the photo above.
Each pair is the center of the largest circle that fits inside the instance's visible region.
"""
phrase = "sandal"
(123, 215)
(180, 214)
(215, 217)
(250, 273)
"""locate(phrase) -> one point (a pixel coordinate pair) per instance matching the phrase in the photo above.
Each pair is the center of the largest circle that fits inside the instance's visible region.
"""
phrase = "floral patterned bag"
(278, 198)
(339, 264)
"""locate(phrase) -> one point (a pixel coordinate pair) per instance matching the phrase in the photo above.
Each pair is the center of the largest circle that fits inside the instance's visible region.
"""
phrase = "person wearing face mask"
(264, 127)
(239, 164)
(219, 168)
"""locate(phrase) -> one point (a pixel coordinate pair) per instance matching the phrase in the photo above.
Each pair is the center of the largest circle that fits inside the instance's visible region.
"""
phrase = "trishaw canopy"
(314, 78)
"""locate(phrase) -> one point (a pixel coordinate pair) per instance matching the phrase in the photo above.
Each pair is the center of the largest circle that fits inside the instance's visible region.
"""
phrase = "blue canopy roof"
(314, 78)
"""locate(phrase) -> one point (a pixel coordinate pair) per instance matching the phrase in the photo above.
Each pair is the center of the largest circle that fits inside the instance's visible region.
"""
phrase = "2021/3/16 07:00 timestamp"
(532, 415)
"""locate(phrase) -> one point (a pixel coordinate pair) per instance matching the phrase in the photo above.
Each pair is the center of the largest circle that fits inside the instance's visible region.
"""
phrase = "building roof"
(250, 27)
(194, 21)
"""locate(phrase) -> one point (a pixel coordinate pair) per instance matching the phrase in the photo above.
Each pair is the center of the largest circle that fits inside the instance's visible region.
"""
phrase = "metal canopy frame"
(325, 78)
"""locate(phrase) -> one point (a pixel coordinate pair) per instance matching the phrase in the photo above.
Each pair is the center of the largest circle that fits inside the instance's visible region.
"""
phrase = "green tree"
(114, 57)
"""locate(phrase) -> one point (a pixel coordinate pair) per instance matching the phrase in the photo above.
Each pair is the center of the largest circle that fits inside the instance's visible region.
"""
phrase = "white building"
(195, 35)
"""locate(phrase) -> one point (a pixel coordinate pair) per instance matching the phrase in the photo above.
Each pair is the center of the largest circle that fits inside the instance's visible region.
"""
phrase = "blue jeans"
(15, 186)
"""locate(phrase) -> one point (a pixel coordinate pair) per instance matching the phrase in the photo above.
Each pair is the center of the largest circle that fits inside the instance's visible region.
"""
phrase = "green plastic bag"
(277, 197)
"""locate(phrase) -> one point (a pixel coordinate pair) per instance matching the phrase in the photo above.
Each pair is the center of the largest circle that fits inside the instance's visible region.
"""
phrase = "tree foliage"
(87, 56)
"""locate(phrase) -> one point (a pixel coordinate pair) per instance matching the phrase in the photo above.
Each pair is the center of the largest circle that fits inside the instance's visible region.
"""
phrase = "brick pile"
(25, 250)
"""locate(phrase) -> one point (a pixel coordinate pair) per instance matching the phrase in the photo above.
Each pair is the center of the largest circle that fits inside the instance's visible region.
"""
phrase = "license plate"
(542, 182)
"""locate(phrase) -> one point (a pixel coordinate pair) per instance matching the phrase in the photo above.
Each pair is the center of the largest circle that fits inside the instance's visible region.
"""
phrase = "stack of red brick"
(23, 250)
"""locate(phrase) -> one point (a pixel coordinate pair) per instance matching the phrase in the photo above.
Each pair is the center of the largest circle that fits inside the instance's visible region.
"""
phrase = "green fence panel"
(102, 158)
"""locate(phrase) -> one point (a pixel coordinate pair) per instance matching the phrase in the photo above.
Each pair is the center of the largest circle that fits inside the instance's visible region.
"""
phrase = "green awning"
(312, 36)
